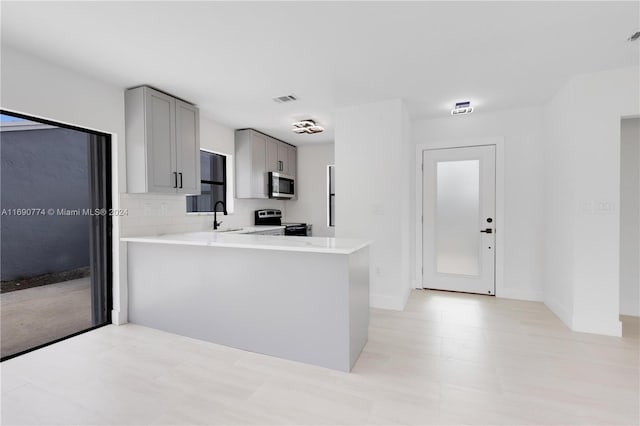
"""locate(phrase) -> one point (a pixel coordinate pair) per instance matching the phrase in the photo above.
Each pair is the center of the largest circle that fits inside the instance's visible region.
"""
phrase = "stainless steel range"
(274, 217)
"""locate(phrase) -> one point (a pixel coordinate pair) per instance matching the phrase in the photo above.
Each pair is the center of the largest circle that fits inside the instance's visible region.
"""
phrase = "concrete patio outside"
(38, 315)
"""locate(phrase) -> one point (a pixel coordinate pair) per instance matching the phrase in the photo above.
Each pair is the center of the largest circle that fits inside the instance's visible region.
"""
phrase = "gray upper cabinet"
(187, 143)
(161, 153)
(292, 165)
(163, 143)
(256, 155)
(251, 164)
(283, 158)
(272, 155)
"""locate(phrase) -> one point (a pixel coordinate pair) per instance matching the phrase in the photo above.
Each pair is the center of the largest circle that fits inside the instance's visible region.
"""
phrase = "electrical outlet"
(599, 207)
(604, 207)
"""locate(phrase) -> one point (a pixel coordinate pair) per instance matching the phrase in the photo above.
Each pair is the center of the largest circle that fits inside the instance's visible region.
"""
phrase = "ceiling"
(232, 58)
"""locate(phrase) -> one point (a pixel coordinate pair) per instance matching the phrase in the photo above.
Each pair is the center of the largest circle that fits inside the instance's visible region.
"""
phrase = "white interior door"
(458, 207)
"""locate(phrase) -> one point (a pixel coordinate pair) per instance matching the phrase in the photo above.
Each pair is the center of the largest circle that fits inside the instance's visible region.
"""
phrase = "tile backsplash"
(154, 214)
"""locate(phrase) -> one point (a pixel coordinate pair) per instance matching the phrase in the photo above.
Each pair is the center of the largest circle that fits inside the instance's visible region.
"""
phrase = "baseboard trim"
(559, 310)
(117, 319)
(630, 312)
(393, 303)
(520, 295)
(611, 328)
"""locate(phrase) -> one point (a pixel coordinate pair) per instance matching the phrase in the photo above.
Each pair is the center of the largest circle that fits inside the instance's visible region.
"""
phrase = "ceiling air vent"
(286, 98)
(634, 37)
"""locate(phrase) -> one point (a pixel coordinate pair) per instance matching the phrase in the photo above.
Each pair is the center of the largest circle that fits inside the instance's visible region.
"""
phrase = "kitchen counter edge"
(259, 242)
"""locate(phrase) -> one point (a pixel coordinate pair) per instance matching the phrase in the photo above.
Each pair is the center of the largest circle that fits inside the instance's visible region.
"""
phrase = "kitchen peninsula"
(300, 298)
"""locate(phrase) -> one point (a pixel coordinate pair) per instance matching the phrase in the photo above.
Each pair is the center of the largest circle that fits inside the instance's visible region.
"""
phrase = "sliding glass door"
(55, 232)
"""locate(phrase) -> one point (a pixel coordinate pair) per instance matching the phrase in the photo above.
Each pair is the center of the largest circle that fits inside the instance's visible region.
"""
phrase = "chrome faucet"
(215, 213)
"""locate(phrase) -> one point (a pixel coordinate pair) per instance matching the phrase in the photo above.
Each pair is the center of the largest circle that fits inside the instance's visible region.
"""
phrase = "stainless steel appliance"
(281, 186)
(274, 217)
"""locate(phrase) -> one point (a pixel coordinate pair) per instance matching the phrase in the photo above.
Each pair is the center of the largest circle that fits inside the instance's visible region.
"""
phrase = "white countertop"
(260, 242)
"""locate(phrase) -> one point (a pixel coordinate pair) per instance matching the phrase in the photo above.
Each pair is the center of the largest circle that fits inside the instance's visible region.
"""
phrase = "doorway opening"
(55, 232)
(630, 225)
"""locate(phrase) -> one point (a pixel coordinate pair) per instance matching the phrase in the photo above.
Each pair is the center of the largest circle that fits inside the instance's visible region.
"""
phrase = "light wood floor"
(447, 359)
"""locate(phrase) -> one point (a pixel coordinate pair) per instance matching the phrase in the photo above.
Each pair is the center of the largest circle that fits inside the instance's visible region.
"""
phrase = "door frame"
(119, 285)
(107, 224)
(498, 141)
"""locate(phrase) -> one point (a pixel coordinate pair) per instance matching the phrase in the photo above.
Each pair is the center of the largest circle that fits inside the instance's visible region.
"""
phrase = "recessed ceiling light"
(462, 108)
(634, 37)
(306, 126)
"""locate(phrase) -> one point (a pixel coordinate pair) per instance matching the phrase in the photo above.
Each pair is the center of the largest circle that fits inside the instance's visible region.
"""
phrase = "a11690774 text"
(63, 212)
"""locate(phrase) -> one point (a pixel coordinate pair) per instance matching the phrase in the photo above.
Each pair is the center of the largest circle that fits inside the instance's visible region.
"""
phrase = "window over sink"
(213, 183)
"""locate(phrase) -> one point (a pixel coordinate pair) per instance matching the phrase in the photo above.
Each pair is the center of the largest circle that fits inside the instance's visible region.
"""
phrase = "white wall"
(372, 199)
(311, 205)
(41, 89)
(523, 168)
(582, 222)
(560, 199)
(630, 217)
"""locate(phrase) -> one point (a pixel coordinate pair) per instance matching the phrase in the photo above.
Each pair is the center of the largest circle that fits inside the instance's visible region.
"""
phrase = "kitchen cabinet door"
(272, 154)
(292, 164)
(187, 148)
(259, 187)
(161, 149)
(251, 161)
(283, 158)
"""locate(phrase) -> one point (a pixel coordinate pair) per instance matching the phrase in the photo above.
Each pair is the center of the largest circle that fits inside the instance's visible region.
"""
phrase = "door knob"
(487, 231)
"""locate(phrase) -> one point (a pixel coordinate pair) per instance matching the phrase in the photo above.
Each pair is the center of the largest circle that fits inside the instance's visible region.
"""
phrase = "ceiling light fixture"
(285, 98)
(306, 126)
(462, 108)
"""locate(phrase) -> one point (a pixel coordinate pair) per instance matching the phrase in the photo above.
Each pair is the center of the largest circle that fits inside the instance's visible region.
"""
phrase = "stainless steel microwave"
(281, 186)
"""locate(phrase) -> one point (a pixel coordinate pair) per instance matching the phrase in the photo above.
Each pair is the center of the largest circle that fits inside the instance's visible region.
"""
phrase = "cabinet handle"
(175, 179)
(180, 179)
